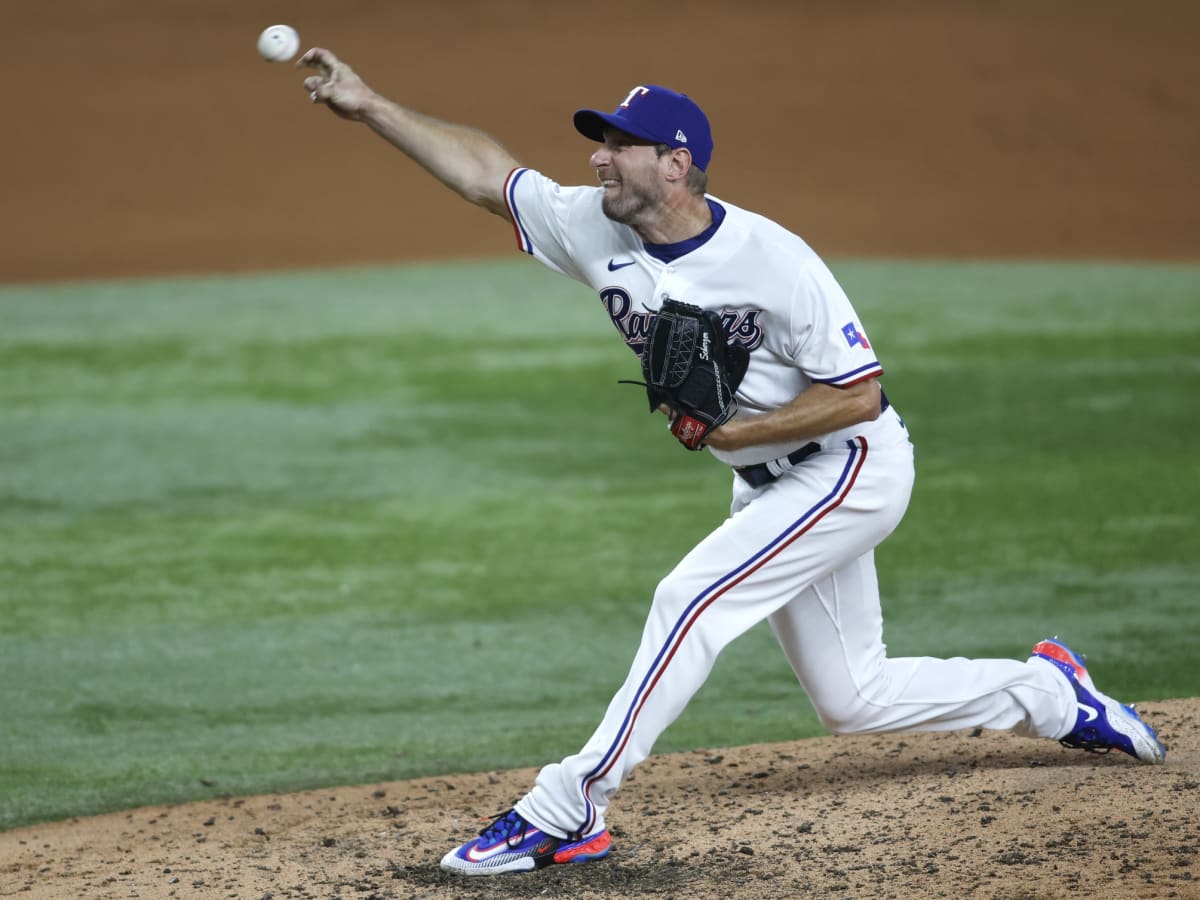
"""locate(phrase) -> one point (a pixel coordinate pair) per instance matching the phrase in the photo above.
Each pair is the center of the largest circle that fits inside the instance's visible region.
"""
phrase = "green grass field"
(279, 532)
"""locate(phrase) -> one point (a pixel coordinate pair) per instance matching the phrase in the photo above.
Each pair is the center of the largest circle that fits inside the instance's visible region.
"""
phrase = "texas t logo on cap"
(636, 92)
(654, 113)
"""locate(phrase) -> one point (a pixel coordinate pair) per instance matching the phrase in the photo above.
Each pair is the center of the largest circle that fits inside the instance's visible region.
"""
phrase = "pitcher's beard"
(630, 204)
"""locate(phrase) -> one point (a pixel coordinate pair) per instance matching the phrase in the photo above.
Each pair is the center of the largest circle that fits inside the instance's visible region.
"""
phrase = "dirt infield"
(149, 139)
(901, 816)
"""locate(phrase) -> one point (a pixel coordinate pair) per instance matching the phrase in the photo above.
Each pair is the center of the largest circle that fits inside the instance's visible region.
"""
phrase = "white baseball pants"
(799, 553)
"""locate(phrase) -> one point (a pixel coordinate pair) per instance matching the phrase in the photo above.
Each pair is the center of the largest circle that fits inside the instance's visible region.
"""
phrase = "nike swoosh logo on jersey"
(1088, 711)
(613, 265)
(477, 854)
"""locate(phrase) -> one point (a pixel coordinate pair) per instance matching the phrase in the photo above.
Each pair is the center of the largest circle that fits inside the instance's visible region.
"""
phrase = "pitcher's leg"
(783, 539)
(833, 638)
(698, 609)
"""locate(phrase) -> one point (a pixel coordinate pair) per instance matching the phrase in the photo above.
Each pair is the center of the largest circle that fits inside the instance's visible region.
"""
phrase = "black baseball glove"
(690, 367)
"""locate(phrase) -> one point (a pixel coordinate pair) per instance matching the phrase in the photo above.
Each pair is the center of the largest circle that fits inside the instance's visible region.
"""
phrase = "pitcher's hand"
(336, 84)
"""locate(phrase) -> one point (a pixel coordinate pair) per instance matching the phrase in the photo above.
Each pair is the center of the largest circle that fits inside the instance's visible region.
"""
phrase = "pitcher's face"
(631, 173)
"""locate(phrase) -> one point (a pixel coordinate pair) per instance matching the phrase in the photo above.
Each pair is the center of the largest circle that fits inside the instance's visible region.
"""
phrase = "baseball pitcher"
(754, 352)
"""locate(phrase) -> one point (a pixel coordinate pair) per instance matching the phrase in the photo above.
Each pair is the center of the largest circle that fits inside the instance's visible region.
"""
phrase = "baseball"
(278, 43)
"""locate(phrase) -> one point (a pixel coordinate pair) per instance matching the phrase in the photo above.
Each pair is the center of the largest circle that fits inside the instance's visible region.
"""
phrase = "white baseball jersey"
(775, 295)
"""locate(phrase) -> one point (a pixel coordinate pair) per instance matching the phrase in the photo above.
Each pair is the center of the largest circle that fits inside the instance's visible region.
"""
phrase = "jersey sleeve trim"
(862, 373)
(510, 200)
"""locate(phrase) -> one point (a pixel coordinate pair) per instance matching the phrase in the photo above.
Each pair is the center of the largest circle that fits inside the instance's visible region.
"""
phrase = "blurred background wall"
(149, 137)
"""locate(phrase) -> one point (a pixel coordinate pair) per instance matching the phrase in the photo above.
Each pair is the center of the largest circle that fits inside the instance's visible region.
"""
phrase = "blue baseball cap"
(657, 114)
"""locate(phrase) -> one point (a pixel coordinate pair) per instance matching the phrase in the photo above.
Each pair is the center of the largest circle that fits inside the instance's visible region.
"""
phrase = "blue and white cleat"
(510, 844)
(1102, 723)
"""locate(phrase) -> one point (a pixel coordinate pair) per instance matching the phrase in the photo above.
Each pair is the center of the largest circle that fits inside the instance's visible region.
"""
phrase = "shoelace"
(506, 825)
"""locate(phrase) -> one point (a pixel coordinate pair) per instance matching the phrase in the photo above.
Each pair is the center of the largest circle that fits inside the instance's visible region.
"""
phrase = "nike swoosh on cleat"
(475, 853)
(1088, 711)
(613, 265)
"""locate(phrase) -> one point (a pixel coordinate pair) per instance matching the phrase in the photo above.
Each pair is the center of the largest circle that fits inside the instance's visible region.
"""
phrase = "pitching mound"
(949, 815)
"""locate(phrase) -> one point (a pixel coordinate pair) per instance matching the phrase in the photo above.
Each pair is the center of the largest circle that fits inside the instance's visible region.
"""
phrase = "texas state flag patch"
(854, 337)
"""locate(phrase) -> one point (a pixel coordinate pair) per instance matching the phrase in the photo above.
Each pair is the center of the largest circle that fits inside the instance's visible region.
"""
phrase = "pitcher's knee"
(851, 715)
(674, 602)
(672, 596)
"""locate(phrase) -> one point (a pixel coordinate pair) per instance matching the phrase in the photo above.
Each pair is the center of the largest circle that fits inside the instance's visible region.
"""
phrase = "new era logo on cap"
(658, 114)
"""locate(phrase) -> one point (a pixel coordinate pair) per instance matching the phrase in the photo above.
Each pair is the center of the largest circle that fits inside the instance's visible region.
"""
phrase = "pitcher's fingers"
(318, 58)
